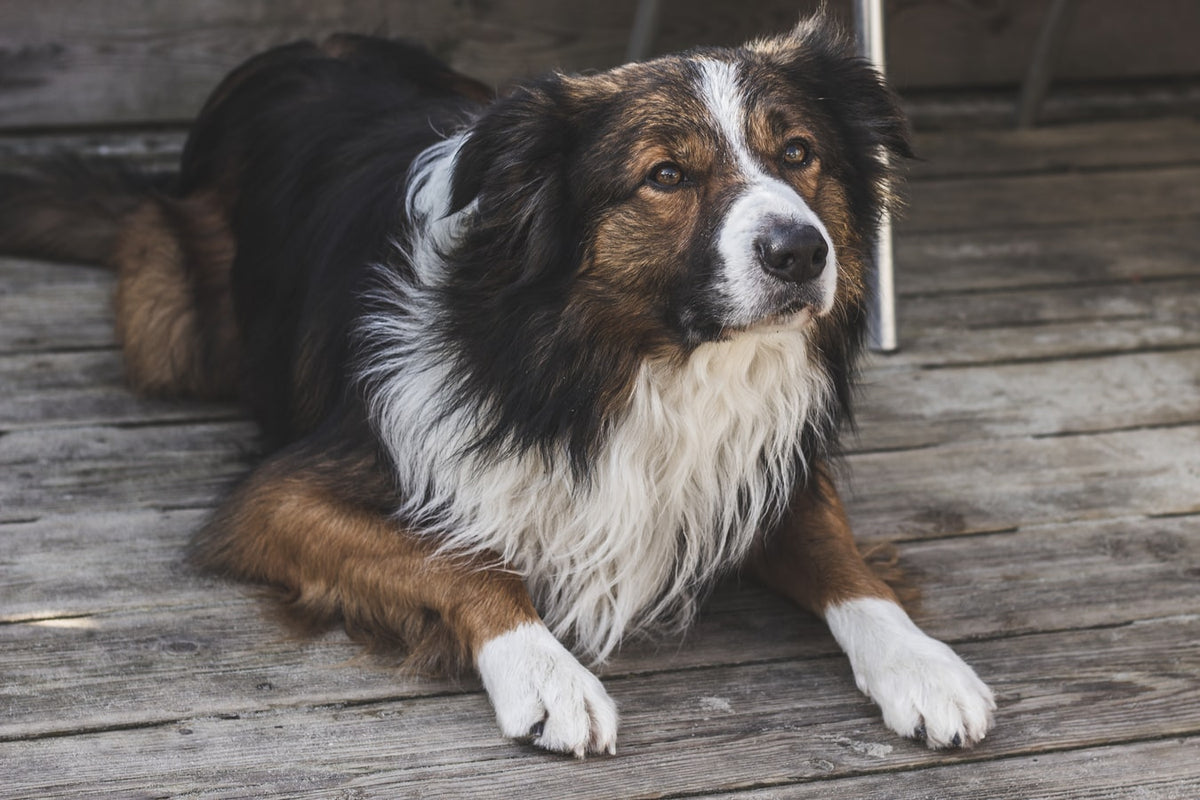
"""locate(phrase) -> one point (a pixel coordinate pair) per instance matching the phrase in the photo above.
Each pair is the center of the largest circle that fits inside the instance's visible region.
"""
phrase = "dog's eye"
(665, 176)
(796, 153)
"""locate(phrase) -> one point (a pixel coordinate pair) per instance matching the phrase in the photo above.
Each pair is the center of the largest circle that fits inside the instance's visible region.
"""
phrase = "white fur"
(427, 206)
(703, 453)
(919, 683)
(638, 541)
(764, 199)
(531, 678)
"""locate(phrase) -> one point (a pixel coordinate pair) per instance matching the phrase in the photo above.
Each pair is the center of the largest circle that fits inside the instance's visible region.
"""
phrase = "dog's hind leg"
(174, 312)
(303, 523)
(923, 688)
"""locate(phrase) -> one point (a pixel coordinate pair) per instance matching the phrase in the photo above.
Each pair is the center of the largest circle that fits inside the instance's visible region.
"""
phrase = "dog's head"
(647, 210)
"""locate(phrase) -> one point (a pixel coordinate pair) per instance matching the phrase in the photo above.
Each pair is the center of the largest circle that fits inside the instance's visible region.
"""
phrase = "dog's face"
(723, 215)
(644, 211)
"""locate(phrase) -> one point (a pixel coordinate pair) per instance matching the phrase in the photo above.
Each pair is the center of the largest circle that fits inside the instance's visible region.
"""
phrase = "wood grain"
(73, 62)
(86, 388)
(1103, 145)
(1165, 770)
(106, 467)
(1003, 484)
(990, 202)
(54, 306)
(723, 728)
(103, 605)
(906, 408)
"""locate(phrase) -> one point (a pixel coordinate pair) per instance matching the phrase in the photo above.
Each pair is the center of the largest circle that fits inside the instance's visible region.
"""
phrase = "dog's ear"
(522, 139)
(514, 167)
(819, 57)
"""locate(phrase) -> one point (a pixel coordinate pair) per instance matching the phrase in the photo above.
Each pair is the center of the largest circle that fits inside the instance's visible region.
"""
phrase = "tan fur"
(174, 315)
(335, 559)
(812, 558)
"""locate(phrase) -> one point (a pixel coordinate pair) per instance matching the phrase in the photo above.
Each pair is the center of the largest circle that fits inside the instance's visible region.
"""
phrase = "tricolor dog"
(536, 370)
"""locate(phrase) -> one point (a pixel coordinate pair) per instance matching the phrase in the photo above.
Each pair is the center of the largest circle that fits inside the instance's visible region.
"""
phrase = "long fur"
(525, 352)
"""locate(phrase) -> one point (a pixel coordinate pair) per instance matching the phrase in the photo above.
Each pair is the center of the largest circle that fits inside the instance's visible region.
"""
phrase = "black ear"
(870, 123)
(514, 166)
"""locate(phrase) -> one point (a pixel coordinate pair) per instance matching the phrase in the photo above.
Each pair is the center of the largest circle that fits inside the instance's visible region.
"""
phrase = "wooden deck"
(1034, 450)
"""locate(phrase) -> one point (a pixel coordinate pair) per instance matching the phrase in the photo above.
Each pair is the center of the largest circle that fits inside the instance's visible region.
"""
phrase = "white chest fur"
(702, 454)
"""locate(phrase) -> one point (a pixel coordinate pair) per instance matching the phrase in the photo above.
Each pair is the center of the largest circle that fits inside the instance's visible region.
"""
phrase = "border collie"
(534, 371)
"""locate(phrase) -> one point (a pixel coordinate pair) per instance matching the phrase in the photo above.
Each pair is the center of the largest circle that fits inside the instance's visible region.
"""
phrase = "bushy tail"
(69, 209)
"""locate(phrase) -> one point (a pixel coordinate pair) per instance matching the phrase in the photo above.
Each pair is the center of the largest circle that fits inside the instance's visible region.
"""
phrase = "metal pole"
(1045, 52)
(868, 21)
(645, 25)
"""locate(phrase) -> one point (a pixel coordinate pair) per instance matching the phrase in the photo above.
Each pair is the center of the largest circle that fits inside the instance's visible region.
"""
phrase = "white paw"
(539, 690)
(923, 688)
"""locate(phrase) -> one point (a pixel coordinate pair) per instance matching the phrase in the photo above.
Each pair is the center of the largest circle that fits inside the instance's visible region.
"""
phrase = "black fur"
(310, 150)
(307, 147)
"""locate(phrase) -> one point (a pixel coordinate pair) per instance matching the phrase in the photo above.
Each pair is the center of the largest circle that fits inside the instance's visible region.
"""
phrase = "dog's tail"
(70, 209)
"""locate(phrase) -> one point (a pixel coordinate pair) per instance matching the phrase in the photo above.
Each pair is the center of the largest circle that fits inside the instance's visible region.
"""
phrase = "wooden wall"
(87, 62)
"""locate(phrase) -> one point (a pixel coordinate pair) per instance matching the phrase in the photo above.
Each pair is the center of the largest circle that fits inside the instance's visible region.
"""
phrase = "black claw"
(956, 741)
(536, 729)
(919, 733)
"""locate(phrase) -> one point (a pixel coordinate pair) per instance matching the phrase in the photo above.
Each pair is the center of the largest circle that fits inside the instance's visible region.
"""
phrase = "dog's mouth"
(797, 315)
(793, 308)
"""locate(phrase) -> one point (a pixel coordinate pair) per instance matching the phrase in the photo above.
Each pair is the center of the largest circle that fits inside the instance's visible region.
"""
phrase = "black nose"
(793, 253)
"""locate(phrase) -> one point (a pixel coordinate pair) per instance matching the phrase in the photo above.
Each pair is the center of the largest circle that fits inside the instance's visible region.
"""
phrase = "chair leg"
(868, 21)
(1045, 53)
(645, 25)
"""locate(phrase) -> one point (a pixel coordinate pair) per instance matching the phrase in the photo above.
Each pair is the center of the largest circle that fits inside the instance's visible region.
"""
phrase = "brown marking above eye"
(667, 175)
(797, 153)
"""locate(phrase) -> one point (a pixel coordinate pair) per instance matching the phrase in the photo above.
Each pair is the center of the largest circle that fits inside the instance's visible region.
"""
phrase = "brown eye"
(796, 153)
(666, 175)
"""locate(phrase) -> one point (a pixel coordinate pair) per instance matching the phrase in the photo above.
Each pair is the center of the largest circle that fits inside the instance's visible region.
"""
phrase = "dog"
(534, 371)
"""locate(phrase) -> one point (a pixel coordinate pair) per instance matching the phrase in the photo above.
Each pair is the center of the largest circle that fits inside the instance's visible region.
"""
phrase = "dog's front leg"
(294, 527)
(923, 688)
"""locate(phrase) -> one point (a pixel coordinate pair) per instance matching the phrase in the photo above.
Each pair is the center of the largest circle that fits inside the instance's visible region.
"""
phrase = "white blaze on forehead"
(721, 93)
(763, 199)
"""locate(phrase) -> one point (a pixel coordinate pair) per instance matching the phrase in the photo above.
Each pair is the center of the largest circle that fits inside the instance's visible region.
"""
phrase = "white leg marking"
(534, 681)
(921, 685)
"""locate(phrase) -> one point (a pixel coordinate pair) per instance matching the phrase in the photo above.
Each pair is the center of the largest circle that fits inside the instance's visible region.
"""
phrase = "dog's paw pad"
(541, 692)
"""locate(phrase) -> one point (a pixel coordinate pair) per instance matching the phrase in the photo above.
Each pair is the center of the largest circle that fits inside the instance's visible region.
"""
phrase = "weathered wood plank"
(905, 408)
(115, 615)
(101, 468)
(1164, 770)
(48, 306)
(1047, 324)
(73, 565)
(149, 150)
(86, 388)
(1094, 199)
(1121, 144)
(72, 62)
(967, 487)
(1120, 254)
(719, 729)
